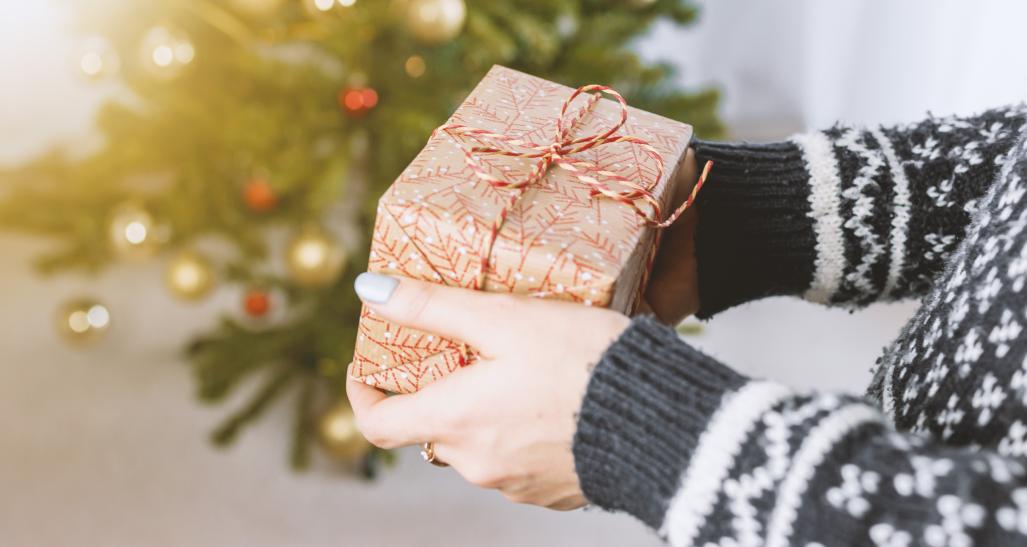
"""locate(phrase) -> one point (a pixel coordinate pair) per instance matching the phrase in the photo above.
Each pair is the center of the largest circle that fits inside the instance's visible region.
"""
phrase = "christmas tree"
(242, 120)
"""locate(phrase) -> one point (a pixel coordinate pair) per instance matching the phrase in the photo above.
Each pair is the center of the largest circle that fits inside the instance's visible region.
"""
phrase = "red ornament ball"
(259, 195)
(357, 101)
(257, 302)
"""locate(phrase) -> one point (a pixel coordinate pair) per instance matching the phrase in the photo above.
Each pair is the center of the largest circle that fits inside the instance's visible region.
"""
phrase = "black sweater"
(937, 452)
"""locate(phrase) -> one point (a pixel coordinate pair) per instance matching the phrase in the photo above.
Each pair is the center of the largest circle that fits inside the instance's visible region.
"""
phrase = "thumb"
(475, 317)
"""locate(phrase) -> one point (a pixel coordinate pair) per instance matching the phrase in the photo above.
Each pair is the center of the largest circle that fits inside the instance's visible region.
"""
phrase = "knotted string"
(560, 152)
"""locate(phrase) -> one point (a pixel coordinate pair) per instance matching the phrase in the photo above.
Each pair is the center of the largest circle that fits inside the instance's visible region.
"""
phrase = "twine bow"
(561, 152)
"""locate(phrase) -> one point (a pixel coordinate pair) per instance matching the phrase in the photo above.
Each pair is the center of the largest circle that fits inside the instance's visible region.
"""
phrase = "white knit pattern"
(819, 442)
(715, 453)
(900, 212)
(825, 204)
(859, 191)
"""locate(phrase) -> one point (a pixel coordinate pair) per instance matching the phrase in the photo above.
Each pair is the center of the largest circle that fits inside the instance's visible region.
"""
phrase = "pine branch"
(302, 430)
(273, 386)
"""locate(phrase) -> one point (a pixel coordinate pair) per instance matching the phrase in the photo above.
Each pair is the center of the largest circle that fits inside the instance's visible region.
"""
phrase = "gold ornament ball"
(337, 430)
(313, 258)
(435, 21)
(415, 66)
(257, 7)
(189, 276)
(83, 320)
(132, 230)
(166, 51)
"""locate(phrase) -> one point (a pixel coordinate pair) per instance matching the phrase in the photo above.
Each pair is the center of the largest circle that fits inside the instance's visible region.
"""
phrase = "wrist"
(627, 457)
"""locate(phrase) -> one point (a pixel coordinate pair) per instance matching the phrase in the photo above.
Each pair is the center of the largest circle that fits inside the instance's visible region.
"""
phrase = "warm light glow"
(340, 427)
(347, 3)
(92, 64)
(163, 56)
(98, 317)
(167, 50)
(135, 232)
(429, 13)
(311, 254)
(188, 276)
(97, 57)
(184, 52)
(324, 5)
(78, 321)
(415, 66)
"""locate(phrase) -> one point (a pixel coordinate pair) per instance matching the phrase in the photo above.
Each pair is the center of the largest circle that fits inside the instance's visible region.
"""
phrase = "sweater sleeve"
(706, 456)
(844, 216)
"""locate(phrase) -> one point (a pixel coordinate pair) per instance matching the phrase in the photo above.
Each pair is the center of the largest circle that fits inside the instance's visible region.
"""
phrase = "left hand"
(508, 421)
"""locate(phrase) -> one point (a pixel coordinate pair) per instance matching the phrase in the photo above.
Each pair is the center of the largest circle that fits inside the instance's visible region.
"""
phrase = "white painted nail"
(375, 288)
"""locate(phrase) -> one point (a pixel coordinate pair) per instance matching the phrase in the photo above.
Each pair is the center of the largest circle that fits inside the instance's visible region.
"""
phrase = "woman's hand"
(673, 291)
(508, 421)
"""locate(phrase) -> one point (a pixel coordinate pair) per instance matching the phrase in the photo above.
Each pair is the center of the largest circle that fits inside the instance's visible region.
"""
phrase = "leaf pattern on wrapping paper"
(558, 240)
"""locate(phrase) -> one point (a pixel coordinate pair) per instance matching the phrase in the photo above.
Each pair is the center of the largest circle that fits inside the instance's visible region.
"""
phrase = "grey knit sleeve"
(844, 216)
(707, 457)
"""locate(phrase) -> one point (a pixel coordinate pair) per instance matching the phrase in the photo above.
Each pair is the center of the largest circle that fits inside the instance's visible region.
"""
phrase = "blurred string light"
(324, 6)
(189, 276)
(357, 101)
(131, 231)
(83, 320)
(566, 25)
(136, 232)
(98, 58)
(165, 51)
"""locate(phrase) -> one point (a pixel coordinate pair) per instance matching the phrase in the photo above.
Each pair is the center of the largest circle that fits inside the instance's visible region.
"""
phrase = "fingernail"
(375, 288)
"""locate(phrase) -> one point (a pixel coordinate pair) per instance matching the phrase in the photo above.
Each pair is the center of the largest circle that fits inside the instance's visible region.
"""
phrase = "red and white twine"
(560, 152)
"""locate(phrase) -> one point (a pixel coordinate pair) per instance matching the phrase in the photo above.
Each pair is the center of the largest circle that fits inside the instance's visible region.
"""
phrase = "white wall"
(807, 63)
(42, 97)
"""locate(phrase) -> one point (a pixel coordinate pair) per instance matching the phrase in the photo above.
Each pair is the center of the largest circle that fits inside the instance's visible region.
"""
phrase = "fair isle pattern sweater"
(937, 453)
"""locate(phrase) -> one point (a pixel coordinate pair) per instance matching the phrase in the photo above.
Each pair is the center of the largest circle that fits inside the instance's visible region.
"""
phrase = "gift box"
(530, 188)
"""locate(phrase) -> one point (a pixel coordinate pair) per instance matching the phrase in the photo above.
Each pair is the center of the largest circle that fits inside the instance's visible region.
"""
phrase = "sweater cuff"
(649, 399)
(755, 236)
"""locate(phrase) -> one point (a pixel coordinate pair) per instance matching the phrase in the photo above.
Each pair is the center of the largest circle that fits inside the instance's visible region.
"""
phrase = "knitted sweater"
(937, 452)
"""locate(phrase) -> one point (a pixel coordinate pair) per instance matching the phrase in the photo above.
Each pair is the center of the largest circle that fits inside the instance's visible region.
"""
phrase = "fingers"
(477, 318)
(391, 422)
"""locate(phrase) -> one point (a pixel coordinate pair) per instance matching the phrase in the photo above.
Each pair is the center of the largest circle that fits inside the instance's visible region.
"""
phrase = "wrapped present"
(530, 188)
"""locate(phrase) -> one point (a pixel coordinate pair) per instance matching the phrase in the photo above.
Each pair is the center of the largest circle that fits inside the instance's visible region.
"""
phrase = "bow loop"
(562, 152)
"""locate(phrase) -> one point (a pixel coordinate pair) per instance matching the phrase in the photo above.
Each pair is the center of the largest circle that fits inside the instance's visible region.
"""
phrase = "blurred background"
(186, 190)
